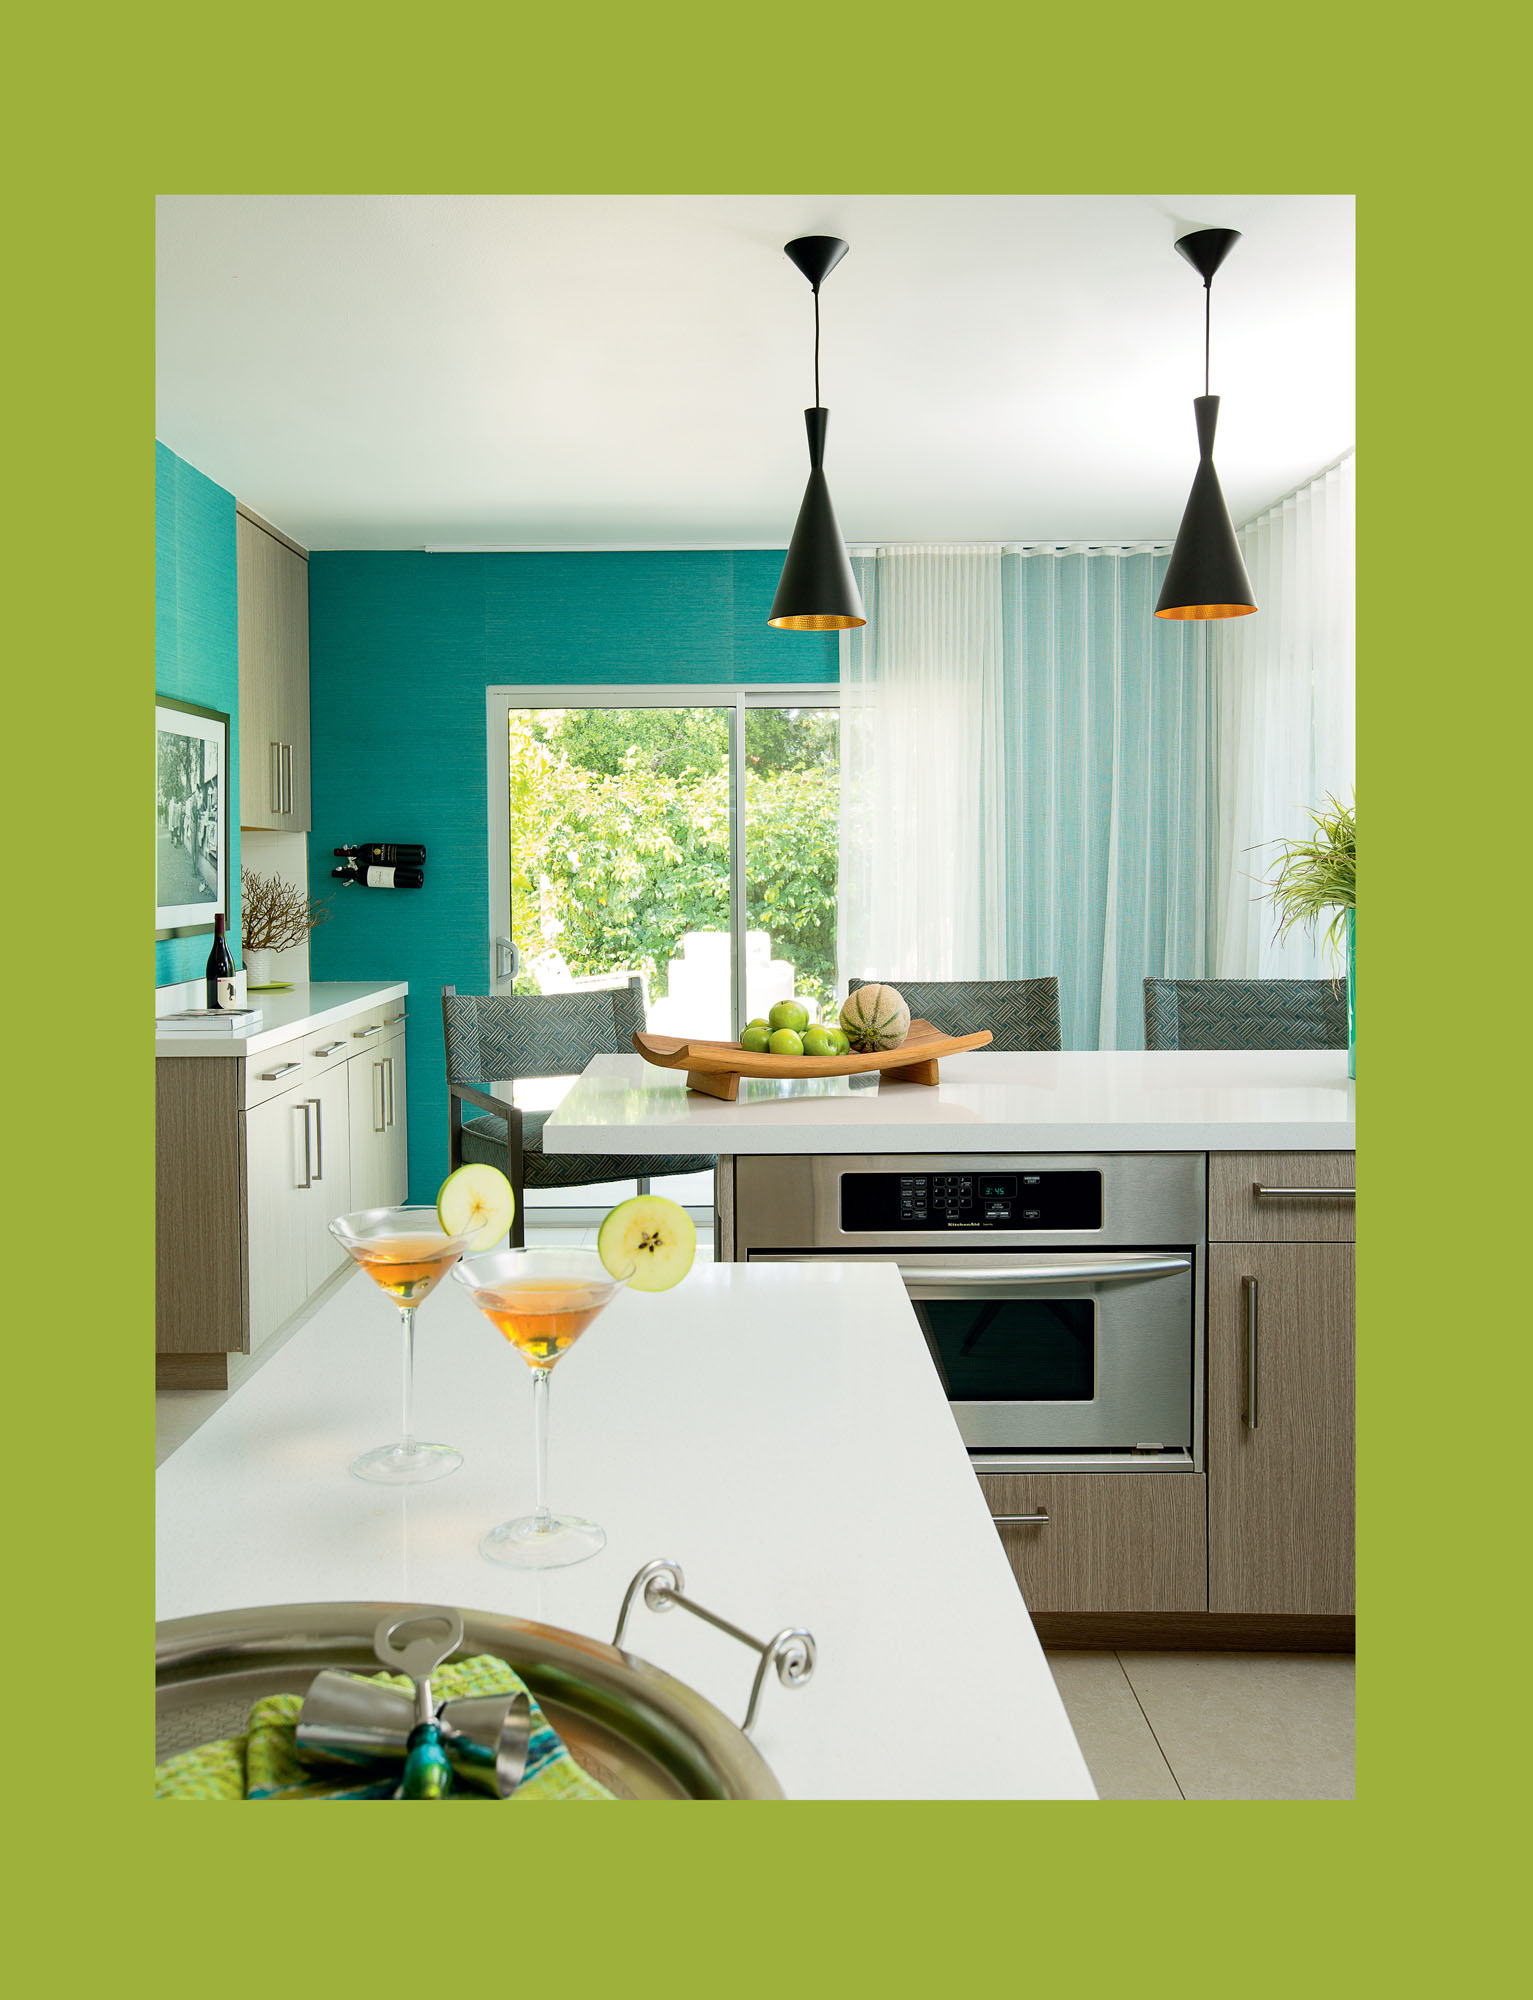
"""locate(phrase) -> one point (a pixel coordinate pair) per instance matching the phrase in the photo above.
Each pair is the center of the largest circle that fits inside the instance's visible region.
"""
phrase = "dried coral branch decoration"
(275, 915)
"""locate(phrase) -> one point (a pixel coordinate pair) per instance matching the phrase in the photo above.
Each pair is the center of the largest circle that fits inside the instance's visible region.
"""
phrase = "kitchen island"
(1135, 1274)
(1083, 1101)
(742, 1425)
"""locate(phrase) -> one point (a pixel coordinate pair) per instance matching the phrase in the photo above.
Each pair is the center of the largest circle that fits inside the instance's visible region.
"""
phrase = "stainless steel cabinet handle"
(276, 778)
(392, 1018)
(1335, 1194)
(330, 1048)
(271, 1075)
(388, 1063)
(1052, 1274)
(1020, 1520)
(361, 1034)
(378, 1124)
(1253, 1334)
(287, 777)
(308, 1157)
(319, 1139)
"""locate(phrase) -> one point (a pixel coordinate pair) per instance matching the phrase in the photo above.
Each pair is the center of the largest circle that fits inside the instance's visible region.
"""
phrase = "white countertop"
(815, 1479)
(1124, 1101)
(286, 1016)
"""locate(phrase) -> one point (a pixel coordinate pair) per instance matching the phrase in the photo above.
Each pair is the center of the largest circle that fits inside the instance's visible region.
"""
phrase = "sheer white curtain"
(1025, 766)
(924, 887)
(1286, 714)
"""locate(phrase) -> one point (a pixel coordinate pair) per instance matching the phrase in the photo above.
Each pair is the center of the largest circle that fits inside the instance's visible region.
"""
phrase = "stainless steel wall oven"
(1060, 1294)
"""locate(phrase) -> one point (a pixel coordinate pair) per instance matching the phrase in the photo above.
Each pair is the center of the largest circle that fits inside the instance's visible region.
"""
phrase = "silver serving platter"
(643, 1734)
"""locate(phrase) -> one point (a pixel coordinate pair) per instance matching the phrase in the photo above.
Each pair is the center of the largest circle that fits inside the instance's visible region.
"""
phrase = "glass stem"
(407, 1435)
(541, 1515)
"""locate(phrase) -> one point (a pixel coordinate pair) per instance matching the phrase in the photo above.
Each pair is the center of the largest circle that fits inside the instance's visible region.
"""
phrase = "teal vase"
(1352, 992)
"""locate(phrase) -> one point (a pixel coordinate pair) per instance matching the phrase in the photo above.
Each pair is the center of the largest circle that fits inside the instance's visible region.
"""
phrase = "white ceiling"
(600, 370)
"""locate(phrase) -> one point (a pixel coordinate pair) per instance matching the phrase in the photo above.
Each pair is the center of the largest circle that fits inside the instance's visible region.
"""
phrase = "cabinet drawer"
(367, 1029)
(326, 1047)
(395, 1014)
(1237, 1213)
(270, 1074)
(1112, 1541)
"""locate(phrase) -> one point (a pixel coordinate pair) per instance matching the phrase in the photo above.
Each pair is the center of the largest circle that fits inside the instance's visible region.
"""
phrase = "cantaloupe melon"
(875, 1017)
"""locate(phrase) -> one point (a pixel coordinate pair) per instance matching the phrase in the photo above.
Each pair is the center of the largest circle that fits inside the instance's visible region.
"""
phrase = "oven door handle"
(1050, 1274)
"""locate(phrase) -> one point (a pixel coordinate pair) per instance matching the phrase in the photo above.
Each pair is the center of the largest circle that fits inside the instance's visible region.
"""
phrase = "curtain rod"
(1044, 548)
(1304, 484)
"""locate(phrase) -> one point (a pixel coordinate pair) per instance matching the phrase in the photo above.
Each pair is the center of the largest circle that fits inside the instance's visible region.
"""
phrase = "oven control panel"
(891, 1204)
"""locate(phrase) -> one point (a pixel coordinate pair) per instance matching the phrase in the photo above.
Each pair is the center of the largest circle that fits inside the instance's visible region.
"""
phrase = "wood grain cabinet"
(1112, 1541)
(1280, 1384)
(273, 594)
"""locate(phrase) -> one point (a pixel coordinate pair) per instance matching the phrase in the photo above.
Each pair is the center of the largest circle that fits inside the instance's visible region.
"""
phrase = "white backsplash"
(287, 855)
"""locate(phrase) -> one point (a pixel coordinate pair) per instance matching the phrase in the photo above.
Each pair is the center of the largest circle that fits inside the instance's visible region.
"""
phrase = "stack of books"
(210, 1021)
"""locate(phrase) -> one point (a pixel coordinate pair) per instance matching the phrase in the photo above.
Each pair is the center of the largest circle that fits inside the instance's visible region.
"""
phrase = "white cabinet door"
(396, 1152)
(329, 1192)
(368, 1099)
(276, 1184)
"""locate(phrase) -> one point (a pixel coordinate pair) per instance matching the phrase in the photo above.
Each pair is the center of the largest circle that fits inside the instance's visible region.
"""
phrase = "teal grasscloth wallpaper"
(196, 647)
(402, 646)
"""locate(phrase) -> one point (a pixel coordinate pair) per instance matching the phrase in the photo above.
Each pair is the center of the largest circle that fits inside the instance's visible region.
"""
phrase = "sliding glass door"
(684, 837)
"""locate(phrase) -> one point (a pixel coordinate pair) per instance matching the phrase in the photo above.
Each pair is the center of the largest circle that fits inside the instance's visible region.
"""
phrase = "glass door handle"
(1049, 1274)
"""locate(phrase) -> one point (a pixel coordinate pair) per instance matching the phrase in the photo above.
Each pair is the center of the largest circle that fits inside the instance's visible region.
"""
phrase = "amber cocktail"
(406, 1253)
(540, 1302)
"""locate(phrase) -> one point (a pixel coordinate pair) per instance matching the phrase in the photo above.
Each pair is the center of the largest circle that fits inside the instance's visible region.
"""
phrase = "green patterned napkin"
(264, 1762)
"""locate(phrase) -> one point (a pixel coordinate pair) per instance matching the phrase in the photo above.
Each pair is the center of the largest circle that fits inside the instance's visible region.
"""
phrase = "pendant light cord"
(1208, 301)
(817, 347)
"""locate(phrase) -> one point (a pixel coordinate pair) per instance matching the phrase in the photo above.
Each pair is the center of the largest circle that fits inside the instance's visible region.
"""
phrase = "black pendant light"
(817, 591)
(1206, 577)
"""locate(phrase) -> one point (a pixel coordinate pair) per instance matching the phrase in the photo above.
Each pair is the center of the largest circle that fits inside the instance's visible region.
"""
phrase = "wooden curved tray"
(715, 1068)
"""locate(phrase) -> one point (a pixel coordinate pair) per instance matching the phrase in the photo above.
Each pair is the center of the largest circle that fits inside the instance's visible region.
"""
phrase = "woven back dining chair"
(1244, 1014)
(504, 1038)
(1021, 1014)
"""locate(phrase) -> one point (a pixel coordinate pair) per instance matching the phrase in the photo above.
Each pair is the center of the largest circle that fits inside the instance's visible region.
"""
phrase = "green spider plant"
(1319, 874)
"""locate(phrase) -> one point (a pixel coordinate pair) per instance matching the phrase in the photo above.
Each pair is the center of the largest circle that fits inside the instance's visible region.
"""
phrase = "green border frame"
(1411, 1884)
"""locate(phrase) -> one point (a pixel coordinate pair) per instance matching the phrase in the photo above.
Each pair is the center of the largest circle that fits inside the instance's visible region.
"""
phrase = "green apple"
(477, 1202)
(760, 1021)
(843, 1041)
(648, 1241)
(790, 1014)
(819, 1042)
(756, 1040)
(786, 1042)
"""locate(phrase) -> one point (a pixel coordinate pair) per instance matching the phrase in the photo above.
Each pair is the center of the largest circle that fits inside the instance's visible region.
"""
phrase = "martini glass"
(406, 1253)
(541, 1301)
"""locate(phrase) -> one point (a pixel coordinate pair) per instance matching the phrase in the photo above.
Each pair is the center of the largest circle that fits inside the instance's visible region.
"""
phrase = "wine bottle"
(220, 971)
(384, 854)
(369, 876)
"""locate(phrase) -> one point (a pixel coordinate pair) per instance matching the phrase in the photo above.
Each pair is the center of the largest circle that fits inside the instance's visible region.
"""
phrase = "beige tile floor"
(1211, 1725)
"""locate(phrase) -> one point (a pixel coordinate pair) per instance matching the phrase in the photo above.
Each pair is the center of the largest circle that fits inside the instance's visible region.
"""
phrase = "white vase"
(257, 966)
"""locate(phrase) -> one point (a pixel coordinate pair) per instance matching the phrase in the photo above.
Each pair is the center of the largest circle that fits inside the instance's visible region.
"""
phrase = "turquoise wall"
(402, 646)
(196, 646)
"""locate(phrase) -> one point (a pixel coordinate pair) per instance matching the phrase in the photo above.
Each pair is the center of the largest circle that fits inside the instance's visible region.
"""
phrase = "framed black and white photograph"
(191, 810)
